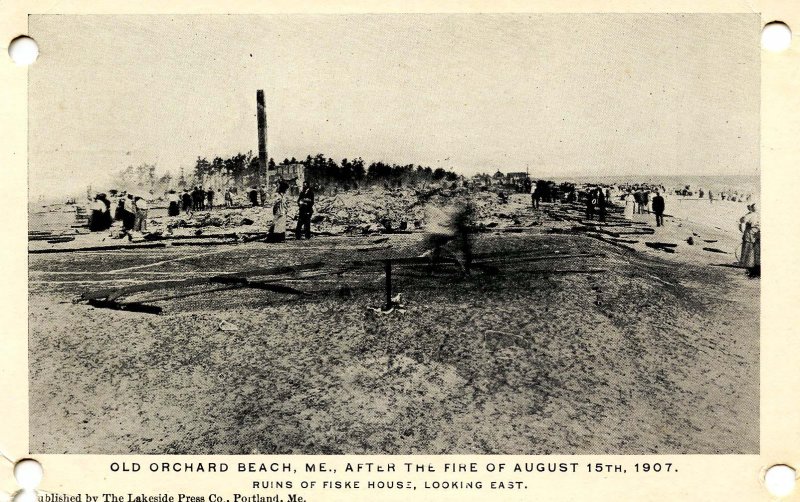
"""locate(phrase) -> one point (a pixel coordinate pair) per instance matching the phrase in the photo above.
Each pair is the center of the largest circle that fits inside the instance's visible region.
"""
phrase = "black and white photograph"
(394, 234)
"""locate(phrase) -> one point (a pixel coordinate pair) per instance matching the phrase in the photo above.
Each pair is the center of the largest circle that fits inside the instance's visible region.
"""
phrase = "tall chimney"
(262, 138)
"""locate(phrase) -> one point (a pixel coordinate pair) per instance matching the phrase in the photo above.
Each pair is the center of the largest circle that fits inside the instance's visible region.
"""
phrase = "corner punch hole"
(28, 473)
(780, 480)
(776, 36)
(23, 50)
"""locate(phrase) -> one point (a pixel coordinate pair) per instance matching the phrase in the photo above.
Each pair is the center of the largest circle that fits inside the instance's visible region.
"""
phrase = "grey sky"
(560, 94)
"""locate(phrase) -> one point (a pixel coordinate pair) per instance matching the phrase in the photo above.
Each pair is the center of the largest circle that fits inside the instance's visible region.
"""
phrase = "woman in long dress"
(277, 232)
(99, 215)
(750, 255)
(174, 204)
(629, 206)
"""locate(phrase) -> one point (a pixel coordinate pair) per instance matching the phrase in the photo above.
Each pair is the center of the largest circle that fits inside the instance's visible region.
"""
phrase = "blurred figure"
(229, 197)
(450, 224)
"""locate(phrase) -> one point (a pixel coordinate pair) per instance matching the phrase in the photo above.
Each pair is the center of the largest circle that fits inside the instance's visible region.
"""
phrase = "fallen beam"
(98, 248)
(127, 307)
(267, 286)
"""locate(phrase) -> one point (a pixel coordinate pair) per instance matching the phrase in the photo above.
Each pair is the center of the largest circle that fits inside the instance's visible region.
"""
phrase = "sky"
(556, 94)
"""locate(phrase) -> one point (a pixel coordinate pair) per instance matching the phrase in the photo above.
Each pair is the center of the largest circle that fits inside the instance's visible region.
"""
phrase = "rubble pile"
(404, 209)
(368, 211)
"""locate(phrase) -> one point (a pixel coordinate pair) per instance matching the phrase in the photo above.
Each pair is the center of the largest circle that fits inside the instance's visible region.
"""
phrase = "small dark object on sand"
(715, 250)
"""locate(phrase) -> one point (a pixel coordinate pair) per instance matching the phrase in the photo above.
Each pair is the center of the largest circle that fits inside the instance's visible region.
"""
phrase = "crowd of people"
(131, 209)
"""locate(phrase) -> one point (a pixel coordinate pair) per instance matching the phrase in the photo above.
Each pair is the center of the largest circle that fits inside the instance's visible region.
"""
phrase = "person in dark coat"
(210, 198)
(305, 201)
(590, 204)
(253, 194)
(658, 209)
(128, 214)
(187, 200)
(637, 197)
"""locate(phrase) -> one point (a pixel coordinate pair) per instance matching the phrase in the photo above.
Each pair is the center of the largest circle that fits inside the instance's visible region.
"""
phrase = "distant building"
(293, 174)
(516, 178)
(482, 180)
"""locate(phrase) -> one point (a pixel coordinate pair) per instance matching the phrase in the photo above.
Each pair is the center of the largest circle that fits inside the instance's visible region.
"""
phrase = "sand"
(657, 354)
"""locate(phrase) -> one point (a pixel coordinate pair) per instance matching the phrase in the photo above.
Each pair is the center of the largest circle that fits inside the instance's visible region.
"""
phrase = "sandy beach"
(566, 340)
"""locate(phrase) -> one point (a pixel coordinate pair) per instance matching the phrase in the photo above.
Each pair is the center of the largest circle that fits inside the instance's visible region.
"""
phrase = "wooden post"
(262, 138)
(387, 265)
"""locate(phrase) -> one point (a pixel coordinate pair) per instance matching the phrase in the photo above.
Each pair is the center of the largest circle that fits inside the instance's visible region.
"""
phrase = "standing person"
(210, 198)
(229, 197)
(601, 204)
(629, 206)
(174, 204)
(187, 201)
(750, 255)
(127, 214)
(106, 216)
(119, 212)
(645, 201)
(201, 194)
(658, 209)
(710, 197)
(129, 217)
(141, 214)
(98, 216)
(195, 199)
(253, 196)
(590, 205)
(277, 231)
(637, 197)
(305, 201)
(263, 193)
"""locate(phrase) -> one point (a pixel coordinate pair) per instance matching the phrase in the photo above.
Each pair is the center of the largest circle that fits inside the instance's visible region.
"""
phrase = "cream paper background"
(699, 477)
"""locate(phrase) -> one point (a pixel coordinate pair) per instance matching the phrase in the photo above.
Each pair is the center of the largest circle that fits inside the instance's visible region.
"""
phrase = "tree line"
(241, 171)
